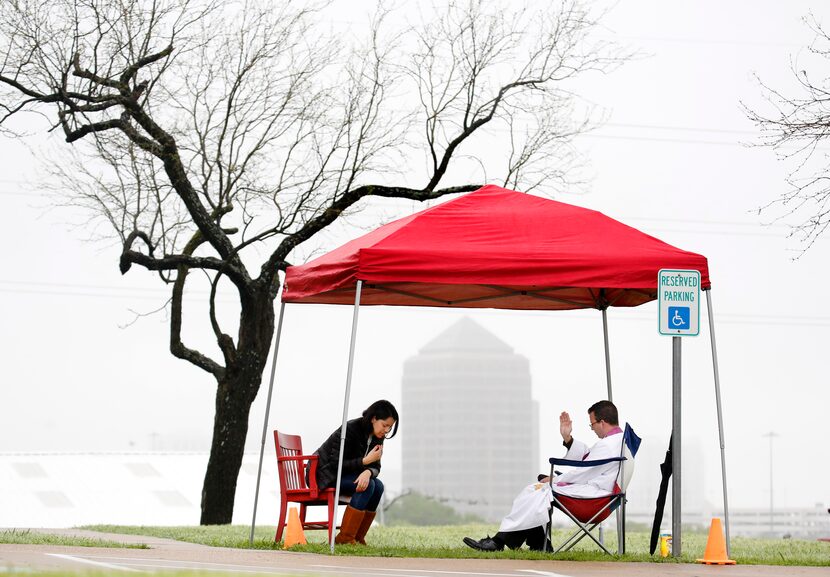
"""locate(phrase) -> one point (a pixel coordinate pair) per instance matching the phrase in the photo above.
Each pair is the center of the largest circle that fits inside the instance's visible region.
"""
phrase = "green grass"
(100, 573)
(28, 537)
(236, 536)
(445, 542)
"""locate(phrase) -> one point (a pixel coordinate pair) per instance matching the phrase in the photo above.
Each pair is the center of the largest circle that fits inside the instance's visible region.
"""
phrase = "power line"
(724, 233)
(706, 222)
(715, 42)
(592, 134)
(656, 139)
(97, 291)
(729, 318)
(690, 221)
(81, 286)
(131, 297)
(671, 140)
(720, 318)
(18, 193)
(681, 128)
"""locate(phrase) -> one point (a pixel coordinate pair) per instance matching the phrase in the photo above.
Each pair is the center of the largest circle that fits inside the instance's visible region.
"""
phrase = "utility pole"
(771, 435)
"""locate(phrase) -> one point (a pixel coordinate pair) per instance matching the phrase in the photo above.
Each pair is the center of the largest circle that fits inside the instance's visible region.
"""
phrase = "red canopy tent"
(494, 248)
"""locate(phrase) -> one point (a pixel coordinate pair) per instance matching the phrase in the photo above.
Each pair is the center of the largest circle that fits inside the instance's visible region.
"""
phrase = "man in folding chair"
(530, 513)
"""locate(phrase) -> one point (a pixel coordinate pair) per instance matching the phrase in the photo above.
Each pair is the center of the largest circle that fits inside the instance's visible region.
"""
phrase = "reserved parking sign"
(678, 294)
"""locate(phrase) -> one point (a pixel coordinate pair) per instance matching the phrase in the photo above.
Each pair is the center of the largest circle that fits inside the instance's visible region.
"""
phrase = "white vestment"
(531, 506)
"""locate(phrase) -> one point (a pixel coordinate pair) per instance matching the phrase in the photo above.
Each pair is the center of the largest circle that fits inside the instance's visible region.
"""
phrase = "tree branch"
(336, 208)
(795, 128)
(224, 340)
(73, 135)
(177, 347)
(131, 70)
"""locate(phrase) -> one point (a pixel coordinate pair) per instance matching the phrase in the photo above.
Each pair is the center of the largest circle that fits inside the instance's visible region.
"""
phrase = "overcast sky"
(671, 161)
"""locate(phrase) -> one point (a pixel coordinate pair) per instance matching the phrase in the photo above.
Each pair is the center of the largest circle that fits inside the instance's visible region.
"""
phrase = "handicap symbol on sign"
(679, 317)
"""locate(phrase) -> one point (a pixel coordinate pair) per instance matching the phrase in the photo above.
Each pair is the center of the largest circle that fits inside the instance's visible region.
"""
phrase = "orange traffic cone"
(294, 531)
(715, 553)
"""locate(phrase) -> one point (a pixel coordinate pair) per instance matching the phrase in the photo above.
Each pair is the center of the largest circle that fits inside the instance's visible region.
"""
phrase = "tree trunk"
(234, 396)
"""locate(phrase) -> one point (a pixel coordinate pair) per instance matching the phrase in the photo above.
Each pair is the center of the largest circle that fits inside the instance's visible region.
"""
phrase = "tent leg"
(346, 405)
(720, 415)
(607, 353)
(265, 423)
(610, 394)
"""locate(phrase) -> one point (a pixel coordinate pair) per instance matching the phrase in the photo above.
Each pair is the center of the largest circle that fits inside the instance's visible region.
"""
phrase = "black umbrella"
(665, 470)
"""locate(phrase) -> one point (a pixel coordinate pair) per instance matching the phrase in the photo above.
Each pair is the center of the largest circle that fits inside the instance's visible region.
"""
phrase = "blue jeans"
(367, 500)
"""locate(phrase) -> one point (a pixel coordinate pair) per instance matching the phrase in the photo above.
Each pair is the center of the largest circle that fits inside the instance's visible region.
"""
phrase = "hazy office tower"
(472, 431)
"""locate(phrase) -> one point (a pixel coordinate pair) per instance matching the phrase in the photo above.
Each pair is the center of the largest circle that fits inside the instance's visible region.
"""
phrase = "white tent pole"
(265, 422)
(720, 415)
(346, 406)
(610, 398)
(607, 353)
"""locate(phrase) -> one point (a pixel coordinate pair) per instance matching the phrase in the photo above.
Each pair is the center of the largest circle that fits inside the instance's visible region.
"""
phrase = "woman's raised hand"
(374, 455)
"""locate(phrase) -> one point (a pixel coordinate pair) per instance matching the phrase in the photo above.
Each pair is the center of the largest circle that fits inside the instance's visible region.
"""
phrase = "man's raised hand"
(565, 426)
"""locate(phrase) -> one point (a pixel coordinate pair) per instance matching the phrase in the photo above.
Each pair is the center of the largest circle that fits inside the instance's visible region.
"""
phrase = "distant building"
(129, 488)
(472, 428)
(787, 522)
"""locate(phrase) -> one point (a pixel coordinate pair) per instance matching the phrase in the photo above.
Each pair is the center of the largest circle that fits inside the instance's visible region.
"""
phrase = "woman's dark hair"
(381, 410)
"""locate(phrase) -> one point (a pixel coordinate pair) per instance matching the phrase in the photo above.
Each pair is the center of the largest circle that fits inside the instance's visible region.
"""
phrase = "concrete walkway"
(168, 555)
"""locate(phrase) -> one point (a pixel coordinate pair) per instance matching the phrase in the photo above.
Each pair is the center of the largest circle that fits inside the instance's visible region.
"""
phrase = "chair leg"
(303, 510)
(584, 528)
(549, 526)
(578, 535)
(621, 528)
(332, 506)
(281, 520)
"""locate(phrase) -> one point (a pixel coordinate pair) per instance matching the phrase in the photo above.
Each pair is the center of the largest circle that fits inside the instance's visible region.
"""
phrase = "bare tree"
(207, 134)
(795, 126)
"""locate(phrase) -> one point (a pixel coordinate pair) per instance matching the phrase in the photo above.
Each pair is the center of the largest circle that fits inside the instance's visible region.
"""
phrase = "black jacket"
(359, 441)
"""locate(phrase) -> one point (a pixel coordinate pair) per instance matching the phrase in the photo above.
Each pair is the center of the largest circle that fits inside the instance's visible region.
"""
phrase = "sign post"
(678, 296)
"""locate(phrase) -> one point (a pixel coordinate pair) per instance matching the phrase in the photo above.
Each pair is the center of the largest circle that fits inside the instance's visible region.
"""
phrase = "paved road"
(173, 555)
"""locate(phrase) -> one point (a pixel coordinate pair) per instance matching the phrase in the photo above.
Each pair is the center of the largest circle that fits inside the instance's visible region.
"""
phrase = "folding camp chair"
(587, 513)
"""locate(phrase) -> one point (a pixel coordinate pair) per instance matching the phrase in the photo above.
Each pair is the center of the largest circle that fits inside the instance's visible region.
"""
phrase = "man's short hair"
(605, 411)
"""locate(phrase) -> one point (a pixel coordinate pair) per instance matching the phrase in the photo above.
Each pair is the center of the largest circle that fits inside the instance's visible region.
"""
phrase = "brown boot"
(360, 536)
(349, 526)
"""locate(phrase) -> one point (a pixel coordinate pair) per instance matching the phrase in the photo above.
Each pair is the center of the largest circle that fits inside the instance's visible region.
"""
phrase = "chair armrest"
(312, 470)
(312, 476)
(589, 463)
(295, 458)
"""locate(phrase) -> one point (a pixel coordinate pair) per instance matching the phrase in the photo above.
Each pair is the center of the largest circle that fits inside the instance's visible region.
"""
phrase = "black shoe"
(486, 544)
